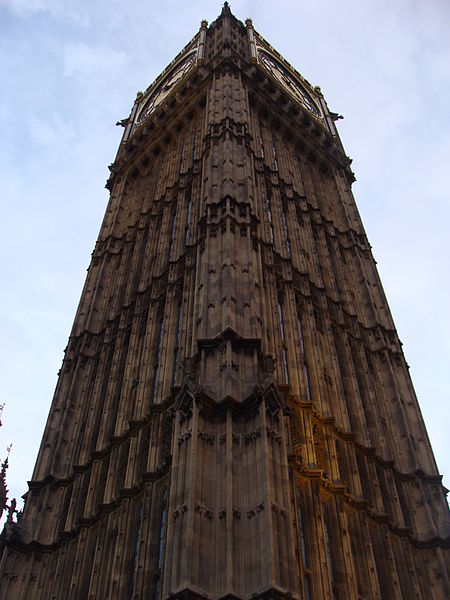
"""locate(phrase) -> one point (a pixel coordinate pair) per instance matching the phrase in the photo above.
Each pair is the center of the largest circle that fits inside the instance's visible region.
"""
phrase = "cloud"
(85, 60)
(47, 132)
(29, 7)
(60, 9)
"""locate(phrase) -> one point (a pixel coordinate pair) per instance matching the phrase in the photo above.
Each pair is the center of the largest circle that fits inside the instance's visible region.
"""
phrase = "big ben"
(234, 417)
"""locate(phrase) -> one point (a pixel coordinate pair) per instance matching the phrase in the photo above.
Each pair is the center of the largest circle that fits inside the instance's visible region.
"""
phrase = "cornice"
(161, 125)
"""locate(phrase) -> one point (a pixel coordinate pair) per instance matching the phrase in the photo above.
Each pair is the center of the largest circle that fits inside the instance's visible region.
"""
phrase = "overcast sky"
(70, 69)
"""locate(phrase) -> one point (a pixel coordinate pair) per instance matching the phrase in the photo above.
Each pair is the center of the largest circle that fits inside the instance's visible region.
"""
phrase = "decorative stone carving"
(207, 437)
(255, 510)
(184, 437)
(273, 434)
(253, 435)
(180, 511)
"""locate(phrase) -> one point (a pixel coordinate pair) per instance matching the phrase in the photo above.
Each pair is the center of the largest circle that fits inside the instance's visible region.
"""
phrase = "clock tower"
(234, 417)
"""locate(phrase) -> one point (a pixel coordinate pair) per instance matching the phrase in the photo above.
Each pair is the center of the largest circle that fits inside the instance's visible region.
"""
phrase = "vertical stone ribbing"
(234, 414)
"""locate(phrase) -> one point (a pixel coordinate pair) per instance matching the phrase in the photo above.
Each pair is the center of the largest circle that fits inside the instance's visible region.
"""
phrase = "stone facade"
(234, 417)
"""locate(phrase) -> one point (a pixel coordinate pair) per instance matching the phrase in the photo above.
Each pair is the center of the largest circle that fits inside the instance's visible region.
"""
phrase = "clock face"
(288, 82)
(166, 86)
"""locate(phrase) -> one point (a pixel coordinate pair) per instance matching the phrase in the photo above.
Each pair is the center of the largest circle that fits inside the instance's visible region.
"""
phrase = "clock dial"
(167, 85)
(290, 84)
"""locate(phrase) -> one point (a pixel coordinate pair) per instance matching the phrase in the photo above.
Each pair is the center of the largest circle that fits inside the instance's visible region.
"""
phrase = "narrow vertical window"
(327, 541)
(285, 361)
(155, 383)
(172, 236)
(302, 536)
(300, 333)
(261, 143)
(195, 143)
(269, 210)
(302, 541)
(178, 323)
(305, 366)
(307, 588)
(162, 528)
(275, 160)
(157, 587)
(287, 232)
(181, 157)
(280, 314)
(175, 366)
(159, 339)
(176, 347)
(161, 539)
(136, 550)
(330, 557)
(188, 221)
(156, 365)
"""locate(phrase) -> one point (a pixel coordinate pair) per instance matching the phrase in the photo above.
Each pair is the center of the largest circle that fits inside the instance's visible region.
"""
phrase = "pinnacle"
(226, 9)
